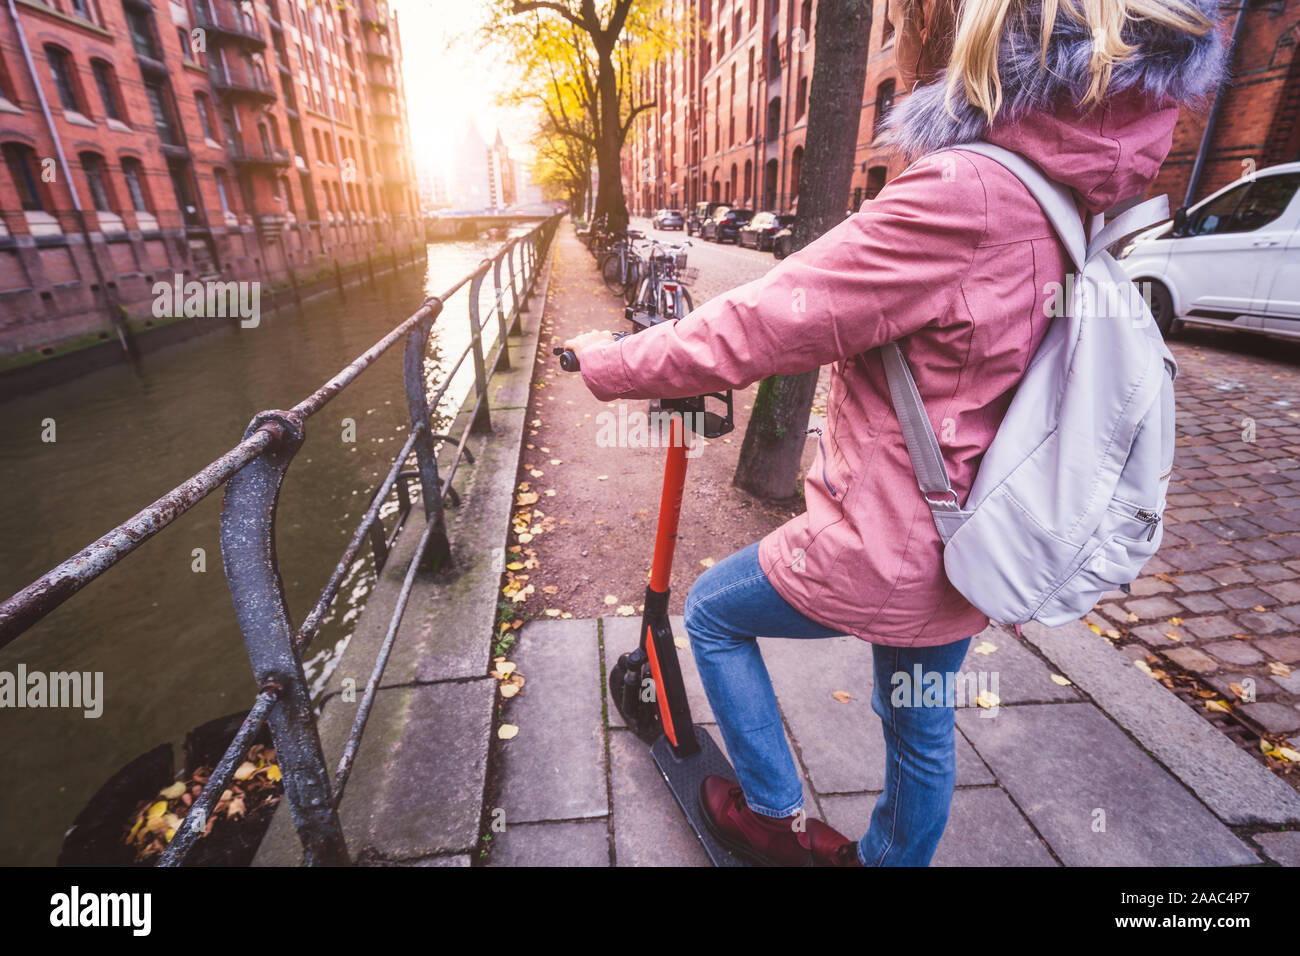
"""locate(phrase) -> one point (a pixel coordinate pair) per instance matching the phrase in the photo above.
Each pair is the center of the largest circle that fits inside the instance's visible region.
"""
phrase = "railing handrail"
(251, 472)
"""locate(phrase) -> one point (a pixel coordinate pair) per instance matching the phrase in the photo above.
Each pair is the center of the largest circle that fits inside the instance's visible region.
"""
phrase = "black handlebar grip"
(568, 359)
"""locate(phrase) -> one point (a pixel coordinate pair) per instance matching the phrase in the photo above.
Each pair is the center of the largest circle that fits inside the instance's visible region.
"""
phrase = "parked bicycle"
(662, 293)
(621, 267)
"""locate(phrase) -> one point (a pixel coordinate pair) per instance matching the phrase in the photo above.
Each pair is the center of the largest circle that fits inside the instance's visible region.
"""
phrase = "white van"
(1230, 261)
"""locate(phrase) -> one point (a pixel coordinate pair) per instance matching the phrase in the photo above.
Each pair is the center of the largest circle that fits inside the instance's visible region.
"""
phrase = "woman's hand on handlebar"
(586, 340)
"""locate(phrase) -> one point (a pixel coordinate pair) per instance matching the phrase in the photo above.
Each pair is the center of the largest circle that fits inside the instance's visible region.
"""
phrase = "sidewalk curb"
(1226, 779)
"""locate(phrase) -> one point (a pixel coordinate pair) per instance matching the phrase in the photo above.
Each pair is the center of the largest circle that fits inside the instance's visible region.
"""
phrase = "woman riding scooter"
(954, 260)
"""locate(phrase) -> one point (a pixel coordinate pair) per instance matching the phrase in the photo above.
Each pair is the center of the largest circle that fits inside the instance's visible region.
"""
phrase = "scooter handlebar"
(568, 358)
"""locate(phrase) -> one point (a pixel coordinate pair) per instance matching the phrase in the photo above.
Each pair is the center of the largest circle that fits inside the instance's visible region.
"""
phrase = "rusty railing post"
(253, 574)
(438, 554)
(515, 327)
(482, 418)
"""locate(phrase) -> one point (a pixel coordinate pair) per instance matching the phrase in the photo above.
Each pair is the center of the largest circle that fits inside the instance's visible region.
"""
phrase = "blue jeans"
(727, 607)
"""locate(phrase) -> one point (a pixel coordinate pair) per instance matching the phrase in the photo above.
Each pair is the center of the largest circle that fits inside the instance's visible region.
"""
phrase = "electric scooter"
(646, 683)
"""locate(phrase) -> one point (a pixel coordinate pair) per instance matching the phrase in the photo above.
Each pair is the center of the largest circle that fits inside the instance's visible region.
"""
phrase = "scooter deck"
(684, 775)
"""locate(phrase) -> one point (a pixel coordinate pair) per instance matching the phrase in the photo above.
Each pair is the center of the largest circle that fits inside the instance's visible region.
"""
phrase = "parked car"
(725, 224)
(701, 214)
(783, 239)
(758, 232)
(668, 219)
(1230, 261)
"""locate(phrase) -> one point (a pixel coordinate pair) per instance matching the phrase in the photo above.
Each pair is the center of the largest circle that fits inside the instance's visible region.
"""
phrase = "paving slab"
(842, 743)
(1015, 672)
(563, 843)
(555, 768)
(1283, 848)
(1227, 779)
(649, 827)
(1072, 771)
(984, 828)
(429, 756)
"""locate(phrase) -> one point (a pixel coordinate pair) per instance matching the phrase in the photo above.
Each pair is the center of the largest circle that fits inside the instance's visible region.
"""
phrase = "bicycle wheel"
(686, 306)
(633, 283)
(611, 270)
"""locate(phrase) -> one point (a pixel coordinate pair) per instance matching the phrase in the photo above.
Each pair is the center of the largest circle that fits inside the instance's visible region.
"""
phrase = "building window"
(884, 103)
(93, 164)
(796, 166)
(61, 71)
(886, 37)
(220, 177)
(82, 9)
(774, 118)
(205, 116)
(107, 84)
(158, 98)
(875, 181)
(133, 173)
(21, 161)
(186, 51)
(141, 30)
(801, 98)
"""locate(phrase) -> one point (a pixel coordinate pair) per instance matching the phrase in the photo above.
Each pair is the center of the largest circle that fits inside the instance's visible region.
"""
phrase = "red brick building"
(731, 109)
(145, 138)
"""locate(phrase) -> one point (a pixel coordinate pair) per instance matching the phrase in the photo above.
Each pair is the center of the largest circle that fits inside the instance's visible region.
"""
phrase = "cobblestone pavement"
(1220, 603)
(1221, 599)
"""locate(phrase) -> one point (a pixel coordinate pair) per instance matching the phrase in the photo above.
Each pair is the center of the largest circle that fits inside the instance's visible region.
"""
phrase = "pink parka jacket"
(955, 260)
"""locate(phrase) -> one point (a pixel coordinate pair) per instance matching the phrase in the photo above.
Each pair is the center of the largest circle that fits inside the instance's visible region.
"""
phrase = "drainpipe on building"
(1198, 168)
(114, 317)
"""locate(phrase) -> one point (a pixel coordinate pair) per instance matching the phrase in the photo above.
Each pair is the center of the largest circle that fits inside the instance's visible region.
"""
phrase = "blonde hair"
(973, 67)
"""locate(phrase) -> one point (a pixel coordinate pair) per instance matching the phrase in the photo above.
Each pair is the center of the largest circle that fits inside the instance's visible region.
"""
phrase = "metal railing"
(252, 472)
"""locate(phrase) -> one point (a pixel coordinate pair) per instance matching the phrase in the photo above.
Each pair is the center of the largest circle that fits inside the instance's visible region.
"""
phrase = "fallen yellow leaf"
(1218, 706)
(842, 696)
(985, 647)
(507, 731)
(1059, 679)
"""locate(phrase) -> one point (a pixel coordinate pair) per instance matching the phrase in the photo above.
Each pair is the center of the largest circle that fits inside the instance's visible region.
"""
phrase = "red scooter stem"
(670, 508)
(656, 632)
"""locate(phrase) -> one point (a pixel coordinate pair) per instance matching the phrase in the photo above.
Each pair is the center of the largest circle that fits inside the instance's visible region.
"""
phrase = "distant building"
(483, 176)
(246, 139)
(731, 109)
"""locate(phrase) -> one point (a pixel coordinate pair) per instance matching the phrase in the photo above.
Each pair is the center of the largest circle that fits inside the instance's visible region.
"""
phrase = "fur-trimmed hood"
(1167, 68)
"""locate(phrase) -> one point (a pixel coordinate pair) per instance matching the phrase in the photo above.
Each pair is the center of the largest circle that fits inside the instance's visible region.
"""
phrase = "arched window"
(133, 173)
(875, 181)
(796, 165)
(97, 179)
(774, 118)
(223, 190)
(204, 107)
(731, 185)
(801, 98)
(64, 76)
(107, 83)
(23, 166)
(749, 180)
(884, 103)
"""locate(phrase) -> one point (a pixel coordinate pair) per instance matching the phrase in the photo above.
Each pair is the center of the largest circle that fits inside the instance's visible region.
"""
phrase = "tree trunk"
(609, 195)
(776, 434)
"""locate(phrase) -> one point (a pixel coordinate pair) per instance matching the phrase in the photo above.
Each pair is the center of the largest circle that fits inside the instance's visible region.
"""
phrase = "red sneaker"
(764, 840)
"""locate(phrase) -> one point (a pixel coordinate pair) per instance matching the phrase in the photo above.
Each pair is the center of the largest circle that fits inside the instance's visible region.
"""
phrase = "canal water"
(162, 633)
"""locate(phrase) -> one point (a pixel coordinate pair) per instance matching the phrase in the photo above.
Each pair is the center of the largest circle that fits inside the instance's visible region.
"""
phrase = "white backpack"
(1068, 498)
